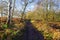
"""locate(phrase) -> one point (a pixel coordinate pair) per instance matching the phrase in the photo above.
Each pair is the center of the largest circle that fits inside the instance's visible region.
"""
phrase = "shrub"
(4, 26)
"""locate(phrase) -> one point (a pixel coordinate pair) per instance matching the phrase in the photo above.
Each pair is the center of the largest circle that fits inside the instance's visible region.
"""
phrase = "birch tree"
(10, 13)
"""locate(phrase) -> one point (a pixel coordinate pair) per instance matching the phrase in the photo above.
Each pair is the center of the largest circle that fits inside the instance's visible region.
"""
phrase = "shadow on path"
(30, 32)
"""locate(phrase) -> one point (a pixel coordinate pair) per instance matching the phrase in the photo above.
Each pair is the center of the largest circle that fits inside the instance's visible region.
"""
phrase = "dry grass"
(40, 26)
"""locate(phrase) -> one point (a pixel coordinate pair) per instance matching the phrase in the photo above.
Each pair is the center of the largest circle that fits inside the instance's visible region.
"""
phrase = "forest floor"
(50, 30)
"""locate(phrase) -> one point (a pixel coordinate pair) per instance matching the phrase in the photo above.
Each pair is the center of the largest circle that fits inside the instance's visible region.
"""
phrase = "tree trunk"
(1, 17)
(10, 14)
(23, 13)
(13, 8)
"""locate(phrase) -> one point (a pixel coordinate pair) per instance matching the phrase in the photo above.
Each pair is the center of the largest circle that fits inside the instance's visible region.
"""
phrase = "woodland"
(29, 19)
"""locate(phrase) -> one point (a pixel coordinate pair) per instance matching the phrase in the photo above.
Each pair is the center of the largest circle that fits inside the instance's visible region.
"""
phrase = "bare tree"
(10, 13)
(3, 8)
(13, 7)
(26, 3)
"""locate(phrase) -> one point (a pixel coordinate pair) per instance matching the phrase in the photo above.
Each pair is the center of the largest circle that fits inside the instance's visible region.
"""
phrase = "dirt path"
(31, 33)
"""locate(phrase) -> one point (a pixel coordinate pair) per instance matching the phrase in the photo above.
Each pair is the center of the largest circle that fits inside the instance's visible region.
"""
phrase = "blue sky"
(30, 6)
